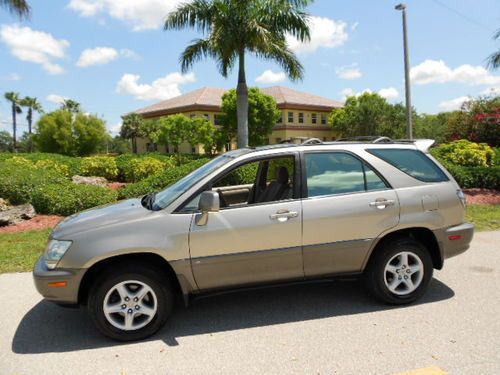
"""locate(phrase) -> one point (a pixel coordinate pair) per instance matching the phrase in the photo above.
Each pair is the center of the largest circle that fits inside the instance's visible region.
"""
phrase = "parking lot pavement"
(320, 328)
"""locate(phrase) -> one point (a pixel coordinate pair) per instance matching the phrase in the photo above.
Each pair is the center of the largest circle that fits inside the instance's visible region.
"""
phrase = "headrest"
(282, 175)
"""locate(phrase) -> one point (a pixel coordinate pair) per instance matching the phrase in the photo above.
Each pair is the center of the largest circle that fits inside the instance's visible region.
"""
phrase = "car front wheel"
(130, 304)
(400, 271)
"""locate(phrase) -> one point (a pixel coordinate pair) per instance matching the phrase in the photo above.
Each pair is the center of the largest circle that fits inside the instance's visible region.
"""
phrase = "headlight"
(55, 251)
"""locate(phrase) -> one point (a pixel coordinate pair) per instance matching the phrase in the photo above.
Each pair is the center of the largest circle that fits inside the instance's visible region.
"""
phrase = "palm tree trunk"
(14, 126)
(242, 103)
(30, 119)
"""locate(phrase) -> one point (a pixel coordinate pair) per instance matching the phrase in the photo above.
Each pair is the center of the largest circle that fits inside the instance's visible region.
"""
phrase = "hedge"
(160, 181)
(18, 185)
(67, 199)
(73, 163)
(475, 177)
(102, 166)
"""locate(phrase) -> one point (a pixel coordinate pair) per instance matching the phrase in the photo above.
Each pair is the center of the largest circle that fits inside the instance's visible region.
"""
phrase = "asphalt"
(321, 328)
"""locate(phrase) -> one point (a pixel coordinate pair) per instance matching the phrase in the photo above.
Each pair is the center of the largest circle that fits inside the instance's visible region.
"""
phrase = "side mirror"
(209, 202)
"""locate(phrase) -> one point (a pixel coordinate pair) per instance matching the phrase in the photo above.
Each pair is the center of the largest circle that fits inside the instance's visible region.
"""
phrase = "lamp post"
(409, 128)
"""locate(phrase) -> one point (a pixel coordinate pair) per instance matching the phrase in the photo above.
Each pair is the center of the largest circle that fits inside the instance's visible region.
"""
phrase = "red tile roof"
(210, 98)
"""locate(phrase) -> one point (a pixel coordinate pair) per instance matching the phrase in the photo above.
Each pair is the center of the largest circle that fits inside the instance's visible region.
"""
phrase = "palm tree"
(235, 27)
(132, 127)
(71, 105)
(494, 59)
(33, 105)
(19, 7)
(13, 98)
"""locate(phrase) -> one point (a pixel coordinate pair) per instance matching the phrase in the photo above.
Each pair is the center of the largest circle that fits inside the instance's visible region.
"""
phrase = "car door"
(250, 243)
(347, 204)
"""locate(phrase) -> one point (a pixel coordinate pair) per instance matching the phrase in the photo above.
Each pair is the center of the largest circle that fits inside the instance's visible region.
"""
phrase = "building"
(302, 114)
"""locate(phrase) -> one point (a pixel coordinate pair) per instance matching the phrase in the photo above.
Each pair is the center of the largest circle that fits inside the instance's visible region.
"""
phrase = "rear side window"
(339, 173)
(412, 162)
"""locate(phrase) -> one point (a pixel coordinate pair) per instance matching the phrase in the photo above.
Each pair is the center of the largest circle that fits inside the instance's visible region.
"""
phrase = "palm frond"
(197, 14)
(20, 8)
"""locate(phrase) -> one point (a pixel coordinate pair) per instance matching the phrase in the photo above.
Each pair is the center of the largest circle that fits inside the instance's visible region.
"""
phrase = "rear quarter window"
(412, 162)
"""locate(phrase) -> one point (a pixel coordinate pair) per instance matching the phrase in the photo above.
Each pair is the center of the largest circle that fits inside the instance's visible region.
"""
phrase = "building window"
(207, 116)
(193, 149)
(192, 115)
(217, 119)
(278, 140)
(323, 119)
(314, 118)
(290, 116)
(301, 117)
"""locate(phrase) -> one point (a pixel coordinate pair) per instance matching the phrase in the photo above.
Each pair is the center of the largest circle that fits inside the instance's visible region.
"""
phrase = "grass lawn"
(485, 217)
(19, 251)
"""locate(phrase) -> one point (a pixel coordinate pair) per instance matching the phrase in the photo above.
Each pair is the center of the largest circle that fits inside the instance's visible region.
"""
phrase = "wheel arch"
(153, 260)
(421, 234)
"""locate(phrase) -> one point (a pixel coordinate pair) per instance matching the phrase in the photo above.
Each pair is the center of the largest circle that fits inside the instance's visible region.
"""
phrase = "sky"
(114, 57)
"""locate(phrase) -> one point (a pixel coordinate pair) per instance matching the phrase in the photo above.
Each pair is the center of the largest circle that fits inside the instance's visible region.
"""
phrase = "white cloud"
(492, 91)
(12, 77)
(163, 88)
(325, 32)
(268, 76)
(436, 71)
(97, 56)
(349, 72)
(34, 46)
(389, 93)
(453, 104)
(115, 129)
(54, 98)
(139, 14)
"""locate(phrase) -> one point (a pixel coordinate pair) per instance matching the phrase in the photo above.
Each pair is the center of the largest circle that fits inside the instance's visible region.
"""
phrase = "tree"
(174, 130)
(15, 100)
(263, 113)
(5, 141)
(150, 129)
(132, 127)
(432, 126)
(369, 114)
(205, 133)
(71, 105)
(20, 8)
(236, 27)
(65, 133)
(33, 105)
(119, 145)
(89, 133)
(494, 58)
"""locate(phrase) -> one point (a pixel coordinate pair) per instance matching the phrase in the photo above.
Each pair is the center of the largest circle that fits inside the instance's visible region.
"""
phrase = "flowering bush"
(467, 154)
(102, 166)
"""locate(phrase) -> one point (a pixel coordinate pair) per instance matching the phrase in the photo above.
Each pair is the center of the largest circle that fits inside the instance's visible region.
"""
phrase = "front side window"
(411, 162)
(339, 173)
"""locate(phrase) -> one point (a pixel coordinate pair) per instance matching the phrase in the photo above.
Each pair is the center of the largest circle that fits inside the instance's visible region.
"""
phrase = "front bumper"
(67, 294)
(454, 240)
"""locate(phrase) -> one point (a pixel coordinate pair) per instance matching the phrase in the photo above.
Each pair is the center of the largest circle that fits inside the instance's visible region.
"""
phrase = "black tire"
(375, 275)
(148, 275)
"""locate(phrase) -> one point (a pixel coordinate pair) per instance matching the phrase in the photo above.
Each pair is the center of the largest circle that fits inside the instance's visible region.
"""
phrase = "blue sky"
(113, 57)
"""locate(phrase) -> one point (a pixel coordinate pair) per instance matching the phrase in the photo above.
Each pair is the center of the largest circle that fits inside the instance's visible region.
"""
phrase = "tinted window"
(412, 162)
(373, 181)
(333, 173)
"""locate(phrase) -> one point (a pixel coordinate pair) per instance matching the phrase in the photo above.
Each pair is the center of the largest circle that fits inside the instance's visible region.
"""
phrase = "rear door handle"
(283, 215)
(382, 203)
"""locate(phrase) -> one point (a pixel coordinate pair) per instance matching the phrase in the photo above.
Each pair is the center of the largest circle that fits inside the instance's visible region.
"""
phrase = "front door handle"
(283, 215)
(382, 203)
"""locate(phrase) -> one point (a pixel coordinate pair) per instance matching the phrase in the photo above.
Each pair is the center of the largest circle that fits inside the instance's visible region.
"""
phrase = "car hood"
(124, 211)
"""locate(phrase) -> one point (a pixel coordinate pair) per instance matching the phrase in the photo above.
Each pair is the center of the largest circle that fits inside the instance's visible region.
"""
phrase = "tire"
(132, 319)
(390, 279)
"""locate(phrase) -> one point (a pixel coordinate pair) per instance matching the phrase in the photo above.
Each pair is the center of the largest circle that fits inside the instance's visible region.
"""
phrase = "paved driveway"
(322, 328)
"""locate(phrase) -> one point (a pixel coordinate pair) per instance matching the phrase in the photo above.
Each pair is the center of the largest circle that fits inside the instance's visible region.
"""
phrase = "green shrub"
(139, 169)
(73, 163)
(160, 181)
(101, 166)
(467, 154)
(51, 165)
(475, 177)
(67, 199)
(19, 184)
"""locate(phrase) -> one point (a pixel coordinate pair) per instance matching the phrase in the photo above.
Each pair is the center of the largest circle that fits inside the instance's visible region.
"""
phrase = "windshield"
(167, 196)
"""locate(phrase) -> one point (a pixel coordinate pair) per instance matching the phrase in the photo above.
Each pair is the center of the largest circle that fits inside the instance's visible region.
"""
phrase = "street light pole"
(409, 127)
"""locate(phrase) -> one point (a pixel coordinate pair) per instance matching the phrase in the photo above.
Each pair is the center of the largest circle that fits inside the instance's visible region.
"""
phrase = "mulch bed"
(116, 185)
(37, 223)
(482, 196)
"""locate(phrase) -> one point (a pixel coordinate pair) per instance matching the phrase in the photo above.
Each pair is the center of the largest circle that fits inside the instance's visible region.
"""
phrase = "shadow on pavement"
(50, 328)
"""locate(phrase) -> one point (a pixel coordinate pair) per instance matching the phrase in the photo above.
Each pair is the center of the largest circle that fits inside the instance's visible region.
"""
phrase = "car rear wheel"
(130, 304)
(400, 271)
